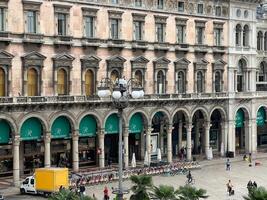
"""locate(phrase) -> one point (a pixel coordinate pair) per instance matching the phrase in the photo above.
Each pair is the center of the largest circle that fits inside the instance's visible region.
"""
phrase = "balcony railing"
(147, 97)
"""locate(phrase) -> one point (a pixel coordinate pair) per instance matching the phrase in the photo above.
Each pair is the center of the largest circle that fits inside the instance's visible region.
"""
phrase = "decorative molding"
(90, 61)
(63, 60)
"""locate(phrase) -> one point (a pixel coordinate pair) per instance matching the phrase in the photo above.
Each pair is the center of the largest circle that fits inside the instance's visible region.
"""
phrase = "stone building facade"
(196, 60)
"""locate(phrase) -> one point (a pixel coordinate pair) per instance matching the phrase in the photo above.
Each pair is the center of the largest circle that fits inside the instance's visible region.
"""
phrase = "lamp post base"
(120, 193)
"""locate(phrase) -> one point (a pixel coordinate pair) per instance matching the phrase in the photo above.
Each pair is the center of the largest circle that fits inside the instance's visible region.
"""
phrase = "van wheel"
(22, 191)
(46, 195)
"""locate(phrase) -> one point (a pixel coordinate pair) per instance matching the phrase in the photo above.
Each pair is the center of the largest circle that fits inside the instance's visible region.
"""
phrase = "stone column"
(161, 134)
(47, 142)
(223, 139)
(231, 135)
(180, 136)
(207, 138)
(142, 143)
(188, 141)
(75, 151)
(148, 144)
(253, 136)
(16, 170)
(101, 140)
(248, 138)
(169, 144)
(126, 147)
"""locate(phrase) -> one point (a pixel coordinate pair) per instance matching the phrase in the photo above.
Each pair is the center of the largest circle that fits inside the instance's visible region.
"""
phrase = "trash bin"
(230, 154)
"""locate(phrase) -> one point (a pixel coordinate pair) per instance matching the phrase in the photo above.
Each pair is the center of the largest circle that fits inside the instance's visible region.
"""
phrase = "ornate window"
(139, 65)
(246, 36)
(32, 70)
(62, 19)
(32, 16)
(238, 32)
(32, 83)
(160, 24)
(181, 30)
(259, 41)
(262, 77)
(217, 75)
(240, 75)
(5, 64)
(2, 82)
(115, 65)
(89, 22)
(62, 73)
(138, 26)
(160, 71)
(181, 68)
(3, 15)
(115, 24)
(200, 82)
(200, 68)
(218, 33)
(90, 66)
(200, 31)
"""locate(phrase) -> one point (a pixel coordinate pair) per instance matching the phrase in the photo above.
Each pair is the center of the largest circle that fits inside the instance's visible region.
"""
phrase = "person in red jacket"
(106, 196)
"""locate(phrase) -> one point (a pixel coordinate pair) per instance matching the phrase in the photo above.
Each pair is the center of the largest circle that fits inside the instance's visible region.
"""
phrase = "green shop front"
(5, 149)
(32, 145)
(61, 143)
(87, 141)
(136, 127)
(261, 128)
(112, 139)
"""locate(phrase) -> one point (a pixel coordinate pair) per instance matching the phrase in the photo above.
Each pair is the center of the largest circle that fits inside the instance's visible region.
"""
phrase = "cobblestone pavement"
(211, 177)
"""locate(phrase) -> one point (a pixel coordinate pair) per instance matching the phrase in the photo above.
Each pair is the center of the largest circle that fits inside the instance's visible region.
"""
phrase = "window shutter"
(38, 26)
(6, 19)
(203, 36)
(56, 23)
(25, 22)
(68, 31)
(110, 31)
(164, 32)
(196, 30)
(222, 37)
(84, 26)
(156, 36)
(120, 29)
(143, 31)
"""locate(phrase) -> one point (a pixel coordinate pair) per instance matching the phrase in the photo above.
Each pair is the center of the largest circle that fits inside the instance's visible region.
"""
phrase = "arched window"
(263, 72)
(139, 77)
(181, 82)
(32, 82)
(62, 88)
(2, 82)
(265, 41)
(114, 75)
(160, 83)
(217, 82)
(240, 75)
(259, 40)
(89, 83)
(238, 30)
(246, 36)
(200, 82)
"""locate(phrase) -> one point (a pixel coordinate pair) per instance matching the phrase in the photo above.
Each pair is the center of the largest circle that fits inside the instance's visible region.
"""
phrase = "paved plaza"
(211, 177)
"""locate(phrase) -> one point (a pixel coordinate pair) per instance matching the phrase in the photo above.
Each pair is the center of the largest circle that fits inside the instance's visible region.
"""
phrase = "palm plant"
(64, 195)
(141, 184)
(259, 193)
(163, 192)
(191, 193)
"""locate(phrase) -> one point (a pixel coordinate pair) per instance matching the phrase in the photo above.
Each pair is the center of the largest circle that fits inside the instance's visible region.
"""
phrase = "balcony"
(116, 43)
(201, 48)
(33, 38)
(5, 37)
(182, 47)
(91, 42)
(139, 44)
(63, 40)
(219, 49)
(162, 46)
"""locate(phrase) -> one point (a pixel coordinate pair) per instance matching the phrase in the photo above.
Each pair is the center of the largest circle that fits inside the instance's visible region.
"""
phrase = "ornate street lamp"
(120, 91)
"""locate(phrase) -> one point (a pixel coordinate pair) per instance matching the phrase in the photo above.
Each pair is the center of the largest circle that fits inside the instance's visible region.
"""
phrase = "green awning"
(112, 124)
(31, 129)
(136, 123)
(88, 126)
(61, 128)
(239, 119)
(5, 132)
(261, 116)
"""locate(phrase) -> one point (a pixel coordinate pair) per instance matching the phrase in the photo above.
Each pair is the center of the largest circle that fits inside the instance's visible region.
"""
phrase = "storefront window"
(87, 151)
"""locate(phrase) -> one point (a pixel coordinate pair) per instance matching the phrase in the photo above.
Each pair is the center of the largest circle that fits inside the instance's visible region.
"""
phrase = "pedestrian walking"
(230, 186)
(250, 160)
(249, 186)
(106, 195)
(228, 165)
(82, 190)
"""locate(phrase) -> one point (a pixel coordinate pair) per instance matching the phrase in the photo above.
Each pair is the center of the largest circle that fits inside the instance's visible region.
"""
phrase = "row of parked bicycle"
(104, 177)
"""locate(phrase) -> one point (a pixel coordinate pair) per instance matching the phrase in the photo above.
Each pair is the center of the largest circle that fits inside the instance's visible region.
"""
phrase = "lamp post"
(120, 91)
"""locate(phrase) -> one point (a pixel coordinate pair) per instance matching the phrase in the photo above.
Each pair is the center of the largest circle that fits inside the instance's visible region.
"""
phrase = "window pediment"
(31, 5)
(139, 62)
(5, 58)
(160, 19)
(60, 8)
(200, 23)
(115, 14)
(4, 3)
(201, 64)
(219, 64)
(138, 17)
(217, 24)
(33, 59)
(181, 21)
(115, 62)
(90, 61)
(89, 11)
(161, 63)
(181, 63)
(63, 60)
